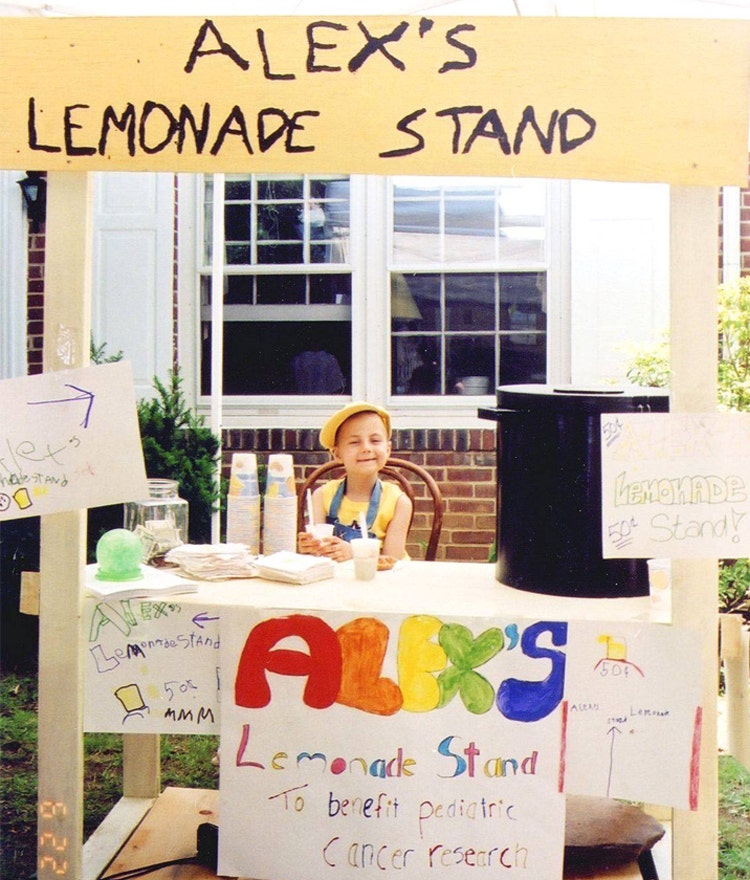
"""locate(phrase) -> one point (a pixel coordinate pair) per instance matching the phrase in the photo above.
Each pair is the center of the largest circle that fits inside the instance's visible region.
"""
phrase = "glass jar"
(160, 521)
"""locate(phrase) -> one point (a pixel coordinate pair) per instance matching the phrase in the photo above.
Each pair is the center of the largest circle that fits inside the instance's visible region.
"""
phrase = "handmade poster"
(69, 439)
(675, 485)
(380, 94)
(632, 713)
(151, 666)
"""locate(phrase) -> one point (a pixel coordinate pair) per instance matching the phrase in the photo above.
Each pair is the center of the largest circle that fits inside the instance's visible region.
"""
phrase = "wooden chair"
(394, 470)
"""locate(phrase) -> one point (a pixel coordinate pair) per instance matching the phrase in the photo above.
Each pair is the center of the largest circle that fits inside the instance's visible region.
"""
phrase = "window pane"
(416, 227)
(416, 365)
(447, 330)
(279, 358)
(415, 302)
(237, 222)
(332, 290)
(237, 188)
(238, 289)
(408, 187)
(281, 289)
(469, 230)
(470, 302)
(446, 220)
(272, 188)
(523, 302)
(470, 364)
(283, 254)
(237, 254)
(279, 222)
(523, 358)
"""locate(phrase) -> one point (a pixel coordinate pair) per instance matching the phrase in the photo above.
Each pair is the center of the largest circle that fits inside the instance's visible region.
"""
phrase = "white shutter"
(133, 272)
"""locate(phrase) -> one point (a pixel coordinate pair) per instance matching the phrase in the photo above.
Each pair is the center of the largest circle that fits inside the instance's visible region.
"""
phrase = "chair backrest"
(393, 470)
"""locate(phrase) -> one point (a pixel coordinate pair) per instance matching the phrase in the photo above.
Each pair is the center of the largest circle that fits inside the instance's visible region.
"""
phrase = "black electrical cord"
(148, 869)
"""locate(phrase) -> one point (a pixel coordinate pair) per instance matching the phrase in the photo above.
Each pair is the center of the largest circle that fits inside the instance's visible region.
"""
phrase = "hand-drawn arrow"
(82, 395)
(613, 731)
(202, 618)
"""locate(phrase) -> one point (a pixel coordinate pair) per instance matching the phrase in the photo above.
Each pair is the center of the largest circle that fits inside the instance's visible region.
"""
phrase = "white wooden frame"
(694, 224)
(694, 326)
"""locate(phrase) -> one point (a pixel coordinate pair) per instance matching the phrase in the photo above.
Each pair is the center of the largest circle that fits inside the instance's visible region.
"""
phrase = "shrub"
(177, 445)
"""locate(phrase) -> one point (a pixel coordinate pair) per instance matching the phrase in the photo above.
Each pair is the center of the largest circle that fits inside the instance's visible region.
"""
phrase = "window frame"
(371, 267)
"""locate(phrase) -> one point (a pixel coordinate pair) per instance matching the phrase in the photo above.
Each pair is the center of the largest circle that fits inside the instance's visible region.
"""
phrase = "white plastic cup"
(659, 575)
(320, 530)
(365, 552)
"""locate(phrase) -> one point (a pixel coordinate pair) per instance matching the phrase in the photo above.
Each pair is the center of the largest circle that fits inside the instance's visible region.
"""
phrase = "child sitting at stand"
(358, 436)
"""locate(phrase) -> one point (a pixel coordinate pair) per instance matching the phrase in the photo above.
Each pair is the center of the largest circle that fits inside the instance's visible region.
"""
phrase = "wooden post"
(694, 346)
(63, 546)
(141, 765)
(735, 654)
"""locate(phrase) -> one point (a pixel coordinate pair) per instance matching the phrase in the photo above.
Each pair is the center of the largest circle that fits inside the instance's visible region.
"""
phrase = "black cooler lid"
(580, 399)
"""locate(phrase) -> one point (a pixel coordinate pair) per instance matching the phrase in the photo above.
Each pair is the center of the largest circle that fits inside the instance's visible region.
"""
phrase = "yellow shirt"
(349, 511)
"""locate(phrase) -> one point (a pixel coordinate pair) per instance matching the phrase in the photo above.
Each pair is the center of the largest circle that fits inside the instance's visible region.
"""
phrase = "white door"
(133, 272)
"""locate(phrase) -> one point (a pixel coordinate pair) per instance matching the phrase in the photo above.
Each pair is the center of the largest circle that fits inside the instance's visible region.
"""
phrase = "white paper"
(675, 485)
(633, 713)
(69, 440)
(151, 666)
(338, 791)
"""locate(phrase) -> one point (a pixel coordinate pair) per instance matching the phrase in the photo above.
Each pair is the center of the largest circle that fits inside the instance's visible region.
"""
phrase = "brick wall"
(461, 461)
(35, 302)
(745, 230)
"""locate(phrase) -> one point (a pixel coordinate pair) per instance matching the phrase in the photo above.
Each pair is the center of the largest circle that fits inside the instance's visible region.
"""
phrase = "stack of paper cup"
(243, 502)
(280, 506)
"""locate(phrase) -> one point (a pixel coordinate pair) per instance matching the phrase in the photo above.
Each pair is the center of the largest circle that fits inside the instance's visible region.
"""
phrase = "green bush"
(734, 339)
(177, 445)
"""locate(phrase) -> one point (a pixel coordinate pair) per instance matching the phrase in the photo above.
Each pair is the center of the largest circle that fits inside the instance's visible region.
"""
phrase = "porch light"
(34, 189)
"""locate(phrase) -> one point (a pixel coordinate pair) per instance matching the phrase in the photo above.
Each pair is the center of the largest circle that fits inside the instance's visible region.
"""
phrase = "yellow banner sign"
(614, 99)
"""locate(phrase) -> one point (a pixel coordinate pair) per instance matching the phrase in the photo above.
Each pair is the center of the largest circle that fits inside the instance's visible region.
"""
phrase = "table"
(438, 588)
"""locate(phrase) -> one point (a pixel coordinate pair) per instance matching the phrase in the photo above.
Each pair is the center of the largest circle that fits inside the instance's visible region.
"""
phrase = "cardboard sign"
(676, 485)
(151, 666)
(632, 716)
(436, 746)
(498, 96)
(69, 440)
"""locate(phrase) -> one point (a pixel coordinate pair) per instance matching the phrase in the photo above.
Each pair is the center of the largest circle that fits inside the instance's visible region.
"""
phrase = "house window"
(386, 289)
(468, 285)
(287, 285)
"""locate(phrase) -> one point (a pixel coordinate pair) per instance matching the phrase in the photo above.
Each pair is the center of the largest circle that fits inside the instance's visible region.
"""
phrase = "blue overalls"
(346, 533)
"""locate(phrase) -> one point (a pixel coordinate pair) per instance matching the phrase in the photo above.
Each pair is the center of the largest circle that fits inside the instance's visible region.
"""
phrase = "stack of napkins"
(213, 562)
(294, 568)
(154, 583)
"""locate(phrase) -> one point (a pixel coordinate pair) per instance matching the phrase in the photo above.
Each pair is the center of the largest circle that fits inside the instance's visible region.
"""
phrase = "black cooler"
(549, 533)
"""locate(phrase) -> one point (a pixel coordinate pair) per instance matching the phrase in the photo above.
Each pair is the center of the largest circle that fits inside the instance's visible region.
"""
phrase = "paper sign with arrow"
(632, 712)
(69, 440)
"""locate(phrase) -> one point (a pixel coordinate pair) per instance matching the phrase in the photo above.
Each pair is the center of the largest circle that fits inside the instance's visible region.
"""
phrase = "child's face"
(361, 443)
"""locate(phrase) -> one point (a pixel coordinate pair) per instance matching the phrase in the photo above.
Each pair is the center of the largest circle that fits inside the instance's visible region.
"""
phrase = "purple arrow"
(83, 395)
(202, 618)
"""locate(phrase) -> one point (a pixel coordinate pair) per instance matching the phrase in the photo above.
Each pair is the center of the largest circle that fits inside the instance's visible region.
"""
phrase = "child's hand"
(336, 549)
(309, 544)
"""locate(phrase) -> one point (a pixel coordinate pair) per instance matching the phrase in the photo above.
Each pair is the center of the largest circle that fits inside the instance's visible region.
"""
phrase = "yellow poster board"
(615, 99)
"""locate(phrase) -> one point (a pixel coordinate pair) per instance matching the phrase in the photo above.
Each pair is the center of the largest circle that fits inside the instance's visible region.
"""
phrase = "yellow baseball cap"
(330, 429)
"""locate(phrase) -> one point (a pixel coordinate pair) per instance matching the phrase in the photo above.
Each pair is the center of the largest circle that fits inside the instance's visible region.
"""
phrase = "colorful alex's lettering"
(435, 662)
